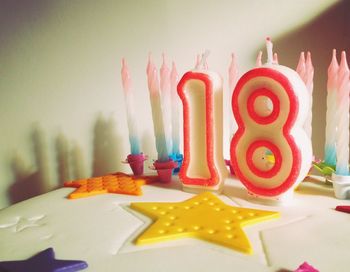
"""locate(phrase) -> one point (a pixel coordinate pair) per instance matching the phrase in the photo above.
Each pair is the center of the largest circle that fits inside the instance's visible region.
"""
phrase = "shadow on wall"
(30, 181)
(329, 30)
(107, 147)
(17, 15)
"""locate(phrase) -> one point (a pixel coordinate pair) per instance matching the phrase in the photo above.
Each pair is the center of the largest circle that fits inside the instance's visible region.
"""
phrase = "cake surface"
(101, 230)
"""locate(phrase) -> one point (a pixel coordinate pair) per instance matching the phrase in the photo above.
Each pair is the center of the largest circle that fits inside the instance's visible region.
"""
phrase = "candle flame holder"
(136, 162)
(164, 169)
(341, 185)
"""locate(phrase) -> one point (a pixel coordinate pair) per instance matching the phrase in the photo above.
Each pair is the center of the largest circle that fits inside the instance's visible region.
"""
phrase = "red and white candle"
(201, 93)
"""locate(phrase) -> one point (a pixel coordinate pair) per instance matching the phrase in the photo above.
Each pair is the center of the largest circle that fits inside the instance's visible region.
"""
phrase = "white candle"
(157, 115)
(331, 122)
(130, 109)
(269, 48)
(165, 94)
(174, 110)
(258, 59)
(232, 81)
(275, 58)
(342, 136)
(309, 82)
(301, 67)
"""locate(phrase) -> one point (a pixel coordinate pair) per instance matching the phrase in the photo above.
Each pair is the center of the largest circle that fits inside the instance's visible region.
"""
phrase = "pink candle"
(157, 114)
(232, 81)
(258, 59)
(130, 110)
(309, 82)
(166, 101)
(174, 110)
(275, 58)
(331, 119)
(342, 135)
(301, 67)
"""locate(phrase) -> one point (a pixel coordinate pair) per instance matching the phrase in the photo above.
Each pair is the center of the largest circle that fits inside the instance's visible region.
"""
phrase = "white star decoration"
(23, 223)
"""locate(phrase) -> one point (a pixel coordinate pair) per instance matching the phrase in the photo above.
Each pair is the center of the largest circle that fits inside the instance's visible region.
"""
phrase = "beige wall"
(62, 111)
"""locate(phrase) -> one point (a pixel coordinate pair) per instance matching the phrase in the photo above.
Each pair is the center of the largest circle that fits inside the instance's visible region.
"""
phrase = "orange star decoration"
(117, 183)
(205, 217)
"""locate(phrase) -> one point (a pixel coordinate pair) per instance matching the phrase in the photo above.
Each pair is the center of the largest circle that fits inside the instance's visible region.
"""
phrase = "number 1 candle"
(203, 168)
(270, 151)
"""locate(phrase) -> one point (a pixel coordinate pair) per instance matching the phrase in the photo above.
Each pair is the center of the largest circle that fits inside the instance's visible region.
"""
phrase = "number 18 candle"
(203, 166)
(270, 151)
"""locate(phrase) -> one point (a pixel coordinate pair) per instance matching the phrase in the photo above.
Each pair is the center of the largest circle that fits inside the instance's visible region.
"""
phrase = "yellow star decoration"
(117, 183)
(204, 217)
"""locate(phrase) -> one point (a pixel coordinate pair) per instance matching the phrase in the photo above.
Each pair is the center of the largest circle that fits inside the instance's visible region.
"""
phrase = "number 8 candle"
(203, 166)
(270, 153)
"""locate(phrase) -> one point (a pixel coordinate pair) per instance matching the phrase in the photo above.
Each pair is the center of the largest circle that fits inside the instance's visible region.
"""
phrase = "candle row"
(270, 153)
(337, 126)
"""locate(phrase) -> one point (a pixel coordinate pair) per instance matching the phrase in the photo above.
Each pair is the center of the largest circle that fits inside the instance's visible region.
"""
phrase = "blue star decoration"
(44, 261)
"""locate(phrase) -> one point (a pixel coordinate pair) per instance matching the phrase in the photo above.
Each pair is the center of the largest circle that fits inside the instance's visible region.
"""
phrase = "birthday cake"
(102, 231)
(199, 220)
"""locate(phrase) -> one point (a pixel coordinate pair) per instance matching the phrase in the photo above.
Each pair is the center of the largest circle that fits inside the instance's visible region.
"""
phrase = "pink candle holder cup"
(164, 169)
(136, 162)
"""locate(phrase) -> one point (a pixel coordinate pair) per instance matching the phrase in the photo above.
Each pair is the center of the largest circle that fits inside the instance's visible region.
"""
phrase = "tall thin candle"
(301, 67)
(232, 81)
(269, 48)
(132, 122)
(343, 102)
(174, 110)
(165, 94)
(331, 122)
(275, 58)
(258, 59)
(157, 114)
(309, 82)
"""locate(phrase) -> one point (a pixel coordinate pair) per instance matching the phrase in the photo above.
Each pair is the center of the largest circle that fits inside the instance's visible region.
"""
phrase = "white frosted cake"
(101, 230)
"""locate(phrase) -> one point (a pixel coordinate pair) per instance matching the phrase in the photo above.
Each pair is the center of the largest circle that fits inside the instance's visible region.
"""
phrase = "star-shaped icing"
(204, 217)
(44, 261)
(117, 183)
(23, 223)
